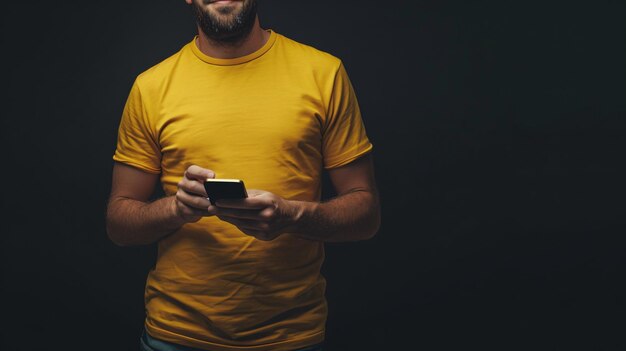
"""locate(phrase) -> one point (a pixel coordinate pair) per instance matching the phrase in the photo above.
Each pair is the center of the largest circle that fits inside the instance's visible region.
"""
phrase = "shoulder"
(303, 54)
(156, 75)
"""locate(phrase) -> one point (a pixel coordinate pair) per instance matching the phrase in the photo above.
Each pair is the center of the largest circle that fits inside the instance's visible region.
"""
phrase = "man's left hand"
(262, 215)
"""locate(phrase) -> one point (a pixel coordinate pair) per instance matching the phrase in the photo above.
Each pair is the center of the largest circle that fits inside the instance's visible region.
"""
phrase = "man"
(240, 102)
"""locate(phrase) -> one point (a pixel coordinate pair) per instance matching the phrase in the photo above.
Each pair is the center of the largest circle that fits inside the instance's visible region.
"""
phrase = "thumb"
(199, 173)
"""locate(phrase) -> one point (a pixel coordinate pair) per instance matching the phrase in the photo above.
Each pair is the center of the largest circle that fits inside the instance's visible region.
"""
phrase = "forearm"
(350, 217)
(131, 222)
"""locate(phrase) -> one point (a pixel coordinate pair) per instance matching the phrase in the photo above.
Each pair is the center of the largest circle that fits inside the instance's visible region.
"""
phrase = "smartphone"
(218, 189)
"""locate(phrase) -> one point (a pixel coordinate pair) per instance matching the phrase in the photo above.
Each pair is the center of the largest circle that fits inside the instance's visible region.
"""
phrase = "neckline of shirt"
(237, 60)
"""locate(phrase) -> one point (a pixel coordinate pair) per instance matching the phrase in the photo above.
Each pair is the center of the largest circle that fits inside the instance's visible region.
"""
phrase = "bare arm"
(132, 220)
(353, 215)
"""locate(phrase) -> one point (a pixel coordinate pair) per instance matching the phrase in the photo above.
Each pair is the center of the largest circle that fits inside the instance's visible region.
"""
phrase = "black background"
(499, 146)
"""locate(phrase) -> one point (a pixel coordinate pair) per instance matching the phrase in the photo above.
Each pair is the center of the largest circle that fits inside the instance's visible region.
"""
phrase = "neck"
(251, 43)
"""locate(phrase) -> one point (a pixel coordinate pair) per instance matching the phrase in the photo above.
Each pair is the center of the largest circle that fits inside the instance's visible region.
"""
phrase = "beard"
(226, 24)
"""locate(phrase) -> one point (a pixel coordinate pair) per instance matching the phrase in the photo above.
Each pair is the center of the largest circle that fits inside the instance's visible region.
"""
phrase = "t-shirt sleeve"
(137, 144)
(344, 138)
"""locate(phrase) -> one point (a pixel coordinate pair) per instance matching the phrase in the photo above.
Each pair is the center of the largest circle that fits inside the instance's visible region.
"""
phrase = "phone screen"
(217, 189)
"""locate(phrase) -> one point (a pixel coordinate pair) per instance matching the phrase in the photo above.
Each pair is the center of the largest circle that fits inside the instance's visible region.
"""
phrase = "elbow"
(115, 235)
(114, 230)
(116, 239)
(373, 224)
(376, 217)
(376, 227)
(111, 229)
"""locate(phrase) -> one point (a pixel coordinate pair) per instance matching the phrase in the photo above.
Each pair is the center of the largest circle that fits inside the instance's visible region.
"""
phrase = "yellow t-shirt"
(275, 118)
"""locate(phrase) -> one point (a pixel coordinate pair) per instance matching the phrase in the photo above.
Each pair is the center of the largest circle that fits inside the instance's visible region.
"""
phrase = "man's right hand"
(190, 202)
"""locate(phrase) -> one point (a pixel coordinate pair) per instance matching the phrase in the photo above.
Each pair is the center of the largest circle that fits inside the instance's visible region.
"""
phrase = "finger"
(254, 215)
(199, 173)
(194, 201)
(212, 210)
(249, 203)
(255, 192)
(192, 187)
